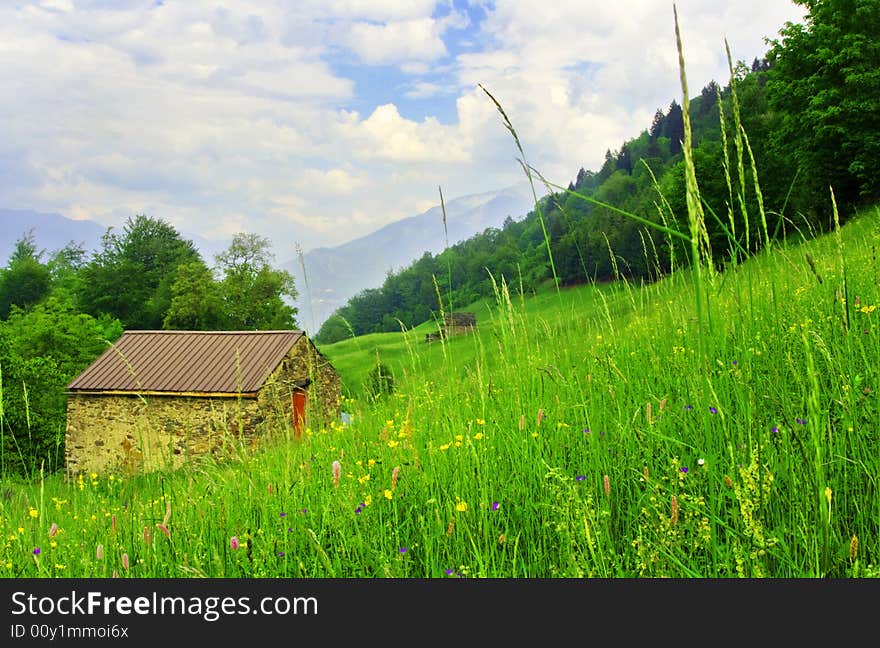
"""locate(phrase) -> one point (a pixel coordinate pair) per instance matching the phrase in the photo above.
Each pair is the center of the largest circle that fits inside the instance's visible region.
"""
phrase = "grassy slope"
(600, 431)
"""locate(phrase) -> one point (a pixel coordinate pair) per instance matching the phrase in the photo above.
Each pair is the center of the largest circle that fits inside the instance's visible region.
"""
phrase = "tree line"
(809, 117)
(60, 310)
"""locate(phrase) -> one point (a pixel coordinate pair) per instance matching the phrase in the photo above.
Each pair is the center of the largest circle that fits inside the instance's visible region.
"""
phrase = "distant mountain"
(336, 274)
(53, 231)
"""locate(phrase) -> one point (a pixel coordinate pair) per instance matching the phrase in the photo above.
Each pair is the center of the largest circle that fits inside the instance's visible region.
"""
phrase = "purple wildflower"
(495, 506)
(712, 410)
(304, 511)
(290, 529)
(37, 551)
(581, 477)
(684, 469)
(734, 363)
(774, 430)
(689, 407)
(283, 514)
(281, 554)
(802, 421)
(450, 572)
(586, 430)
(403, 550)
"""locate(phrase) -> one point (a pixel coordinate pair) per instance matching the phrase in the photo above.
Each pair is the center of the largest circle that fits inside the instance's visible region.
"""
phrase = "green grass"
(789, 369)
(706, 425)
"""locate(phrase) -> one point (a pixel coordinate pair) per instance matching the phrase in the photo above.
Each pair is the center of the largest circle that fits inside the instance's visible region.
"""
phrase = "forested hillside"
(810, 115)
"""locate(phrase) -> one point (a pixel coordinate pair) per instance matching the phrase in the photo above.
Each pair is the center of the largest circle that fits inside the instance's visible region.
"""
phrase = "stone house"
(156, 399)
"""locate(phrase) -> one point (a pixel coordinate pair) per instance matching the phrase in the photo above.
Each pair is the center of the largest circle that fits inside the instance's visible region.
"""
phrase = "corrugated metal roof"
(188, 361)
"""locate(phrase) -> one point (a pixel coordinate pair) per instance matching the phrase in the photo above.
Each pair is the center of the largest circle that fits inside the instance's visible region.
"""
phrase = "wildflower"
(281, 554)
(388, 494)
(393, 443)
(586, 430)
(495, 506)
(403, 550)
(828, 497)
(34, 513)
(701, 461)
(461, 506)
(606, 482)
(689, 407)
(337, 471)
(304, 511)
(125, 561)
(394, 475)
(801, 421)
(713, 410)
(36, 551)
(580, 478)
(53, 530)
(283, 514)
(502, 539)
(99, 552)
(449, 572)
(684, 469)
(481, 421)
(774, 430)
(478, 436)
(233, 543)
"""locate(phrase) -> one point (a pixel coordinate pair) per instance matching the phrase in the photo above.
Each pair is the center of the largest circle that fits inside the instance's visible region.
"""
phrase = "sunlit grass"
(700, 426)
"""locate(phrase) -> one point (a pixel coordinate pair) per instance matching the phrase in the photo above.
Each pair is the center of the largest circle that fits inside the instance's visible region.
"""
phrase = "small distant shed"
(454, 323)
(157, 398)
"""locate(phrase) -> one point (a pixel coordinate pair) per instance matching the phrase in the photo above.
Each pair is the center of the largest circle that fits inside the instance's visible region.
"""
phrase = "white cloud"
(405, 40)
(223, 119)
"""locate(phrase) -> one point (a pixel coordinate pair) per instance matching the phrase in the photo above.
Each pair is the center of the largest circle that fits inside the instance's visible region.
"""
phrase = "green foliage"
(41, 351)
(131, 277)
(253, 293)
(196, 302)
(380, 382)
(24, 280)
(824, 82)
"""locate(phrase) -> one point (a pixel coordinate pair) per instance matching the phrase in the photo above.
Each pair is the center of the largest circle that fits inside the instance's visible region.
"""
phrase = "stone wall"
(132, 433)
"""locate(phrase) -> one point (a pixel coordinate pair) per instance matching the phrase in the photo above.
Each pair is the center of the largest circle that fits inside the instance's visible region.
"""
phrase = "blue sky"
(315, 122)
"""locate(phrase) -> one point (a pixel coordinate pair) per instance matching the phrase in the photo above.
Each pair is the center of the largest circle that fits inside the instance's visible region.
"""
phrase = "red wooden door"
(299, 413)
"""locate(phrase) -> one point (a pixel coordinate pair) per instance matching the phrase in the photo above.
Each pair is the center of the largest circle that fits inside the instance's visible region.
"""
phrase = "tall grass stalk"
(527, 169)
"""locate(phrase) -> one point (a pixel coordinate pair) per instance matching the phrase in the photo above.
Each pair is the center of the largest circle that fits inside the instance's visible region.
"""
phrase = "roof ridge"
(182, 332)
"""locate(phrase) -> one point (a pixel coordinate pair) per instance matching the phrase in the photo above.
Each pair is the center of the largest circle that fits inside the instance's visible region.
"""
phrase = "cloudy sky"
(314, 122)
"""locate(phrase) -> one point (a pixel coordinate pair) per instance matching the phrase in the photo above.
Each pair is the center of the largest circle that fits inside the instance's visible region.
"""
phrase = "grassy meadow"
(599, 431)
(702, 426)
